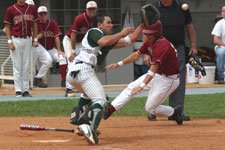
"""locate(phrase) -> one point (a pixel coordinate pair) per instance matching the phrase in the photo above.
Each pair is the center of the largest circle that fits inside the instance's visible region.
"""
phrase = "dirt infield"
(118, 133)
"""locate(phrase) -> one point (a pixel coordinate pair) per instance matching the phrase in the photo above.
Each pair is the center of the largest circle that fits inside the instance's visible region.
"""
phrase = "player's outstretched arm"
(131, 58)
(129, 39)
(113, 39)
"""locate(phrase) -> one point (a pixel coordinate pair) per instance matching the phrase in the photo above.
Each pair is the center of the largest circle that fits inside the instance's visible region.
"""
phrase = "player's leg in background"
(178, 96)
(62, 63)
(44, 62)
(26, 54)
(68, 50)
(17, 65)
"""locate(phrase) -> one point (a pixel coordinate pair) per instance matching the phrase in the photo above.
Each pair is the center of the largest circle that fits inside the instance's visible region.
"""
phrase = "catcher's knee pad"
(85, 117)
(75, 115)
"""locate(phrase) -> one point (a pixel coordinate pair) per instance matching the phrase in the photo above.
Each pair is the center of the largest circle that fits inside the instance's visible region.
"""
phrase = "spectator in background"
(218, 33)
(72, 39)
(175, 21)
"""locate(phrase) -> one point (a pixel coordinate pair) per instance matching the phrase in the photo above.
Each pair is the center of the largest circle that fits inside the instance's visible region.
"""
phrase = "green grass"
(197, 106)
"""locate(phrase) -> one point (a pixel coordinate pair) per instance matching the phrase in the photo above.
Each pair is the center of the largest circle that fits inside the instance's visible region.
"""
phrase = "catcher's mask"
(155, 28)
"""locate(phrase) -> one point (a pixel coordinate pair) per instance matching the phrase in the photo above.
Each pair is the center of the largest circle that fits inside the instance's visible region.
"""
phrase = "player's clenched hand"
(35, 44)
(72, 56)
(127, 31)
(112, 66)
(11, 46)
(136, 90)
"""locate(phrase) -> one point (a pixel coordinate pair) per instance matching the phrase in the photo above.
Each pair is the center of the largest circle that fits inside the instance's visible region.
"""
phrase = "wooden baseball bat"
(41, 128)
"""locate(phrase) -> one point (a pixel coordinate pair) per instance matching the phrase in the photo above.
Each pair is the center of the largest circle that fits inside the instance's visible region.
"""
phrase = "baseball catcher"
(196, 64)
(149, 14)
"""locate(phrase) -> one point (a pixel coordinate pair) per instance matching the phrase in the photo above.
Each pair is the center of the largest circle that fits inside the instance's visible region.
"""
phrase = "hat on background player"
(91, 4)
(42, 9)
(31, 2)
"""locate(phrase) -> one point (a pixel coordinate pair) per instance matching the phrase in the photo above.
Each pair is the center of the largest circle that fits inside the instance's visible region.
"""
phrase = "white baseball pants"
(87, 82)
(43, 59)
(21, 62)
(68, 50)
(160, 87)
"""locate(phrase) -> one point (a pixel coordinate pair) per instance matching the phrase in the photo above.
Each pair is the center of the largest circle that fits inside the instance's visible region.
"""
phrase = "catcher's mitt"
(149, 14)
(196, 64)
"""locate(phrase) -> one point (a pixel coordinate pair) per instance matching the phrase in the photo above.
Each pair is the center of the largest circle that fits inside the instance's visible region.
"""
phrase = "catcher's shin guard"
(92, 116)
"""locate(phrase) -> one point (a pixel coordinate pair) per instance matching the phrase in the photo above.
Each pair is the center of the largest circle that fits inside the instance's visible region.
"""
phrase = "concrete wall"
(203, 14)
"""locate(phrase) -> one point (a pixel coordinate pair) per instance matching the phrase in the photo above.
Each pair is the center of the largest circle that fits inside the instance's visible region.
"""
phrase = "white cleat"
(90, 136)
(80, 133)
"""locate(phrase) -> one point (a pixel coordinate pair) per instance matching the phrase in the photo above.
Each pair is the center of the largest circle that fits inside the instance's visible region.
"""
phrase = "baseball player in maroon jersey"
(72, 39)
(49, 39)
(161, 79)
(19, 21)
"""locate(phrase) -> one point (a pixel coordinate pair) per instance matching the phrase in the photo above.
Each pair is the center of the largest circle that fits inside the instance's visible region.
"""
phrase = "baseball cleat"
(19, 94)
(26, 94)
(90, 136)
(178, 114)
(70, 93)
(80, 133)
(151, 117)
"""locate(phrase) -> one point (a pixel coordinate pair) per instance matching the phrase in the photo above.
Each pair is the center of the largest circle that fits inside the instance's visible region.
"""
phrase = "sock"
(62, 69)
(111, 109)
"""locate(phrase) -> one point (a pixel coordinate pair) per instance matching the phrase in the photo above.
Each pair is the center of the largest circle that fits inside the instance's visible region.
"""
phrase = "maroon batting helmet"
(155, 28)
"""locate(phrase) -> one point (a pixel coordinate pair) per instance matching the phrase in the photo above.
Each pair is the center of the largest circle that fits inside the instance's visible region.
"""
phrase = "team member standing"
(19, 21)
(161, 79)
(72, 39)
(175, 21)
(218, 33)
(51, 41)
(82, 75)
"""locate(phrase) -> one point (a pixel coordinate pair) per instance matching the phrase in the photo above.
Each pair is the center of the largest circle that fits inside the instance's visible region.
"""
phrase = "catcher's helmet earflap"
(155, 28)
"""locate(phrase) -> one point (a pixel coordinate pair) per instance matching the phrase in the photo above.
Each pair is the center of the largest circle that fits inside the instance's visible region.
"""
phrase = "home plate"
(52, 141)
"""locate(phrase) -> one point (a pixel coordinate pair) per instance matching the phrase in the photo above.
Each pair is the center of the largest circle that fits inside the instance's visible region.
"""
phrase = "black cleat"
(151, 117)
(26, 94)
(178, 114)
(18, 94)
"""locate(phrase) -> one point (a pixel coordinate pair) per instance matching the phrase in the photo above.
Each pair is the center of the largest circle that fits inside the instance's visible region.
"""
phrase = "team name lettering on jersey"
(20, 18)
(48, 34)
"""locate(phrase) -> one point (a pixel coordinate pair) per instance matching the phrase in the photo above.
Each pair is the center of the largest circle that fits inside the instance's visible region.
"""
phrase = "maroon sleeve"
(35, 13)
(9, 16)
(77, 21)
(160, 53)
(144, 48)
(56, 31)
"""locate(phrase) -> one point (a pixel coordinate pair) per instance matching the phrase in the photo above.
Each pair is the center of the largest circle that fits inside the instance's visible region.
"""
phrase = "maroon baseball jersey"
(164, 53)
(50, 29)
(81, 25)
(21, 19)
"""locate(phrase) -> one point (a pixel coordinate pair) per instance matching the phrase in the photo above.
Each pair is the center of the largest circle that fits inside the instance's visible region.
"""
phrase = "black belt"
(81, 62)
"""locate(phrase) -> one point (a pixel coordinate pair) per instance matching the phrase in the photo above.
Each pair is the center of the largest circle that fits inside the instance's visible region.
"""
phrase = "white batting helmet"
(31, 2)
